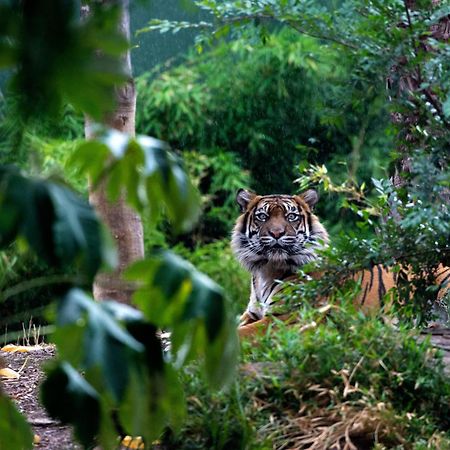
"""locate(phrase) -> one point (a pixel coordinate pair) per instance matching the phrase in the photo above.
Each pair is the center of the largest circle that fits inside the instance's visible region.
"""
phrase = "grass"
(30, 334)
(348, 380)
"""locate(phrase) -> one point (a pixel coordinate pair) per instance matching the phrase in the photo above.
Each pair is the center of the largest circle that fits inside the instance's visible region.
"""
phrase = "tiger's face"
(278, 231)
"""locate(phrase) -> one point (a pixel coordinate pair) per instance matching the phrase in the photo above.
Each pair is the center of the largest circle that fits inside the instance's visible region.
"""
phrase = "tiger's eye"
(261, 216)
(292, 217)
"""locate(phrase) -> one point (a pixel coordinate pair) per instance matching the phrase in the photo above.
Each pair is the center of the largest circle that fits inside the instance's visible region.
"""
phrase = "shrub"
(218, 176)
(336, 375)
(273, 104)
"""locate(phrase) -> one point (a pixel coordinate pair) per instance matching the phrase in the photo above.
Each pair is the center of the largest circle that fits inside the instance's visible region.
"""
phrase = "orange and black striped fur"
(274, 237)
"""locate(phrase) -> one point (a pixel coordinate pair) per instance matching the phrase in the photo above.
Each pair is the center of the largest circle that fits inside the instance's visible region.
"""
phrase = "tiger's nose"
(277, 232)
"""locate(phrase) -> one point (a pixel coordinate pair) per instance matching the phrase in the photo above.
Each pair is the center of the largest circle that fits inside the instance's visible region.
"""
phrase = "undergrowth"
(336, 379)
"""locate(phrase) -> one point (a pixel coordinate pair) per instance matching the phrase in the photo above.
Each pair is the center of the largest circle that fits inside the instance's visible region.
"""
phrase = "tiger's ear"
(243, 198)
(310, 197)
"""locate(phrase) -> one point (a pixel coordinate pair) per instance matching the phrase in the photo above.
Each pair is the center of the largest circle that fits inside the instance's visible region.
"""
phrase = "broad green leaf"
(145, 169)
(59, 226)
(7, 55)
(122, 360)
(154, 398)
(76, 229)
(90, 158)
(68, 397)
(175, 296)
(104, 342)
(14, 429)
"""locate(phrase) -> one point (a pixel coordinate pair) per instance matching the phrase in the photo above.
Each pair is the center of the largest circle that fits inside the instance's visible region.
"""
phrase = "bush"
(273, 104)
(269, 108)
(336, 375)
(218, 176)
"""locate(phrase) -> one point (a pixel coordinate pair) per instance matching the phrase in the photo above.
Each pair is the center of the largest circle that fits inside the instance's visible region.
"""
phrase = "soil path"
(25, 392)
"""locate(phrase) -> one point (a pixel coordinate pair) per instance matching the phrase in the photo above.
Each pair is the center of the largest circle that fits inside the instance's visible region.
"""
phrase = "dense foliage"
(404, 44)
(301, 94)
(110, 368)
(345, 378)
(276, 105)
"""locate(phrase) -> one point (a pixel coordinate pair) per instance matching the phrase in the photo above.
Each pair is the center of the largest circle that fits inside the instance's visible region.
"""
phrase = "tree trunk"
(123, 222)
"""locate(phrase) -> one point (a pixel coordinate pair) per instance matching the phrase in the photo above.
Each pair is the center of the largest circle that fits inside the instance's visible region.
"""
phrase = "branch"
(40, 282)
(335, 40)
(165, 26)
(292, 23)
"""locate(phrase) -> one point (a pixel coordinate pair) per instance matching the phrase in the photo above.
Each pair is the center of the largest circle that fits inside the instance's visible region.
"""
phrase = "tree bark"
(123, 222)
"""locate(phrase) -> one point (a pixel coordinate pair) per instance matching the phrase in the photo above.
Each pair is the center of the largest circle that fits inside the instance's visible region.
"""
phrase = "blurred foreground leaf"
(70, 398)
(121, 358)
(74, 61)
(176, 297)
(151, 175)
(14, 429)
(59, 226)
(96, 339)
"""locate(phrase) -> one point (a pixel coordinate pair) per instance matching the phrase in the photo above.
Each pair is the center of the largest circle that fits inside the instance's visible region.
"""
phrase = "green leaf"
(11, 205)
(122, 360)
(14, 429)
(7, 55)
(68, 397)
(77, 61)
(152, 176)
(59, 226)
(89, 158)
(76, 230)
(154, 397)
(176, 297)
(104, 342)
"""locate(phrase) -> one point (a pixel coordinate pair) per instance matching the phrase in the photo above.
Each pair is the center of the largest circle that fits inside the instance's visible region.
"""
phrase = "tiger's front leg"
(260, 327)
(253, 328)
(253, 311)
(245, 319)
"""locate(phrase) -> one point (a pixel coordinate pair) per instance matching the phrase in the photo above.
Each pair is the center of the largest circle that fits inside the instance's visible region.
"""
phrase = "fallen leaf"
(135, 443)
(20, 348)
(36, 439)
(9, 373)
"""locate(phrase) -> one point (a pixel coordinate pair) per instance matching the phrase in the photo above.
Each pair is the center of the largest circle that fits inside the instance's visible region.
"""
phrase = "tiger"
(275, 236)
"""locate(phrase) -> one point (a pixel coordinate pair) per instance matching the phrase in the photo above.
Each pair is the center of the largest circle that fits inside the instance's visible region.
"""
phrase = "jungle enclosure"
(127, 129)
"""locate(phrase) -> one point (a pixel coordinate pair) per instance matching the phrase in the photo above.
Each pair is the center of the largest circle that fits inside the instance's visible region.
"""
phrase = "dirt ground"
(25, 392)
